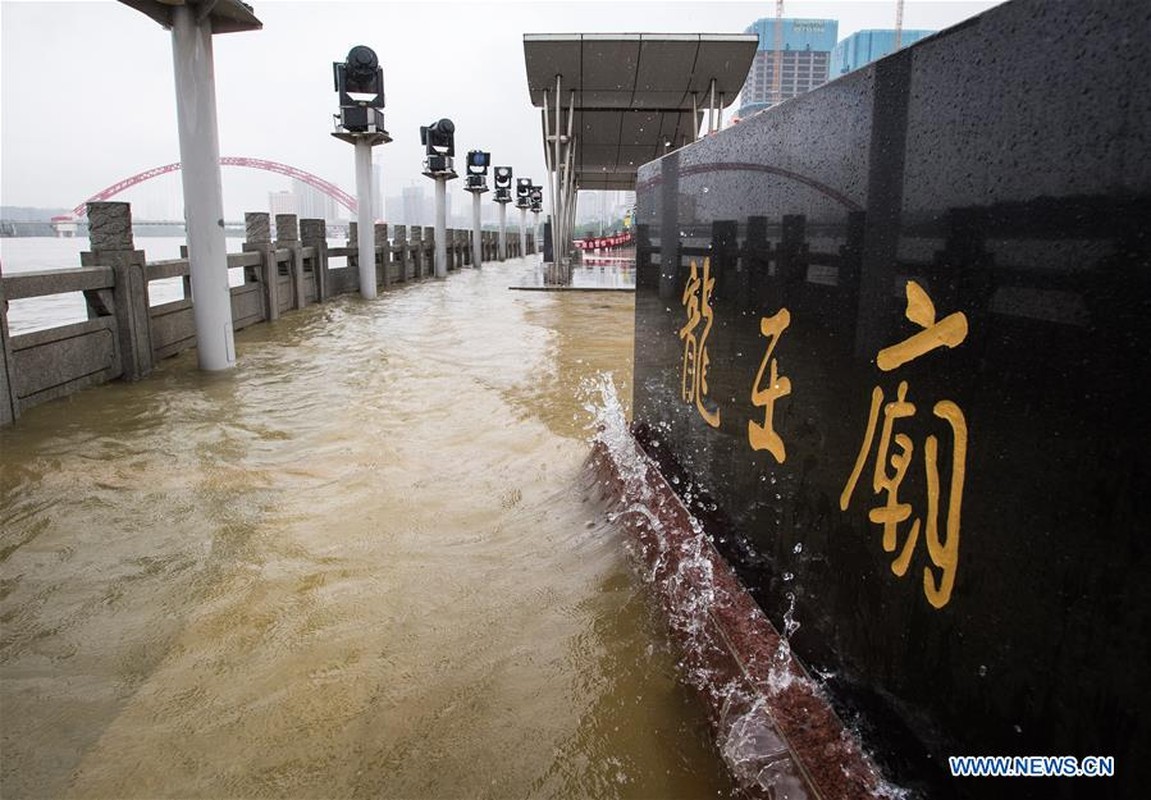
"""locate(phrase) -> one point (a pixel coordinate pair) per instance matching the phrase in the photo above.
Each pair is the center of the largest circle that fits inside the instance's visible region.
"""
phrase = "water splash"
(753, 750)
(744, 670)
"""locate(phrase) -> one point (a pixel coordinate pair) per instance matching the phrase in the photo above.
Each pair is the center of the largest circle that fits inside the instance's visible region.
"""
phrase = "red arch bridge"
(327, 187)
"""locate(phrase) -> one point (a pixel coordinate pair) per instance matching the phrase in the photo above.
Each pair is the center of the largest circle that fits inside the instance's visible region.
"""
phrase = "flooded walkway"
(362, 564)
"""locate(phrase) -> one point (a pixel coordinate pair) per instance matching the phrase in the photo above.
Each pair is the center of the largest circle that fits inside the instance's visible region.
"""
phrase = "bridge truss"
(327, 187)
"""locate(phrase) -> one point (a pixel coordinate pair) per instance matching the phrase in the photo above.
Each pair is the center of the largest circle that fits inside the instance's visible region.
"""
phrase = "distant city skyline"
(77, 124)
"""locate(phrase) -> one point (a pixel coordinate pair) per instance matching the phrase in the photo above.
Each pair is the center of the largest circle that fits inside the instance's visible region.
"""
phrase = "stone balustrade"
(124, 336)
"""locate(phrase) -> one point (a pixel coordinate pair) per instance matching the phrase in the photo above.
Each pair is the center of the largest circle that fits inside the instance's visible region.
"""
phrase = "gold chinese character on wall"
(763, 436)
(891, 466)
(697, 303)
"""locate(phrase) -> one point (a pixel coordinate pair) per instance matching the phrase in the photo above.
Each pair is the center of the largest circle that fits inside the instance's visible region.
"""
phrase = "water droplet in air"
(982, 670)
(798, 548)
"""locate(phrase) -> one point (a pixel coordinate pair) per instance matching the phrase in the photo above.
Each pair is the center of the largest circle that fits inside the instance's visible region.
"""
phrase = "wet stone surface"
(892, 340)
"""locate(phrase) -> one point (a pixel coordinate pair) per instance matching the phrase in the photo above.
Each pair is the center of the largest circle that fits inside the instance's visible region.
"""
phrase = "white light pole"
(477, 184)
(503, 228)
(441, 226)
(365, 224)
(439, 140)
(477, 231)
(503, 196)
(360, 86)
(192, 25)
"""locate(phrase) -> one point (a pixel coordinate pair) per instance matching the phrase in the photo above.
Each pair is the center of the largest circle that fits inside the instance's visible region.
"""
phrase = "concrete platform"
(596, 273)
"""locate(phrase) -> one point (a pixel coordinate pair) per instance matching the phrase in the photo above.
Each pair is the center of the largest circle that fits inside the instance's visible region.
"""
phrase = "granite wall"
(893, 340)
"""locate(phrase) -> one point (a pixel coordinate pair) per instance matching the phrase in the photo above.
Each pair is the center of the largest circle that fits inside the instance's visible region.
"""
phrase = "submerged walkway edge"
(773, 725)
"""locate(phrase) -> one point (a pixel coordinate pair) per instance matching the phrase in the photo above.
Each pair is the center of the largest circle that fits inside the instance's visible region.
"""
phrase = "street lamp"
(359, 83)
(503, 196)
(523, 202)
(477, 184)
(439, 141)
(536, 200)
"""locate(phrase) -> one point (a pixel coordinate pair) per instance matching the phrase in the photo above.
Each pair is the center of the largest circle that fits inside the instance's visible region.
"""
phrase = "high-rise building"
(863, 47)
(805, 47)
(311, 203)
(417, 206)
(281, 203)
(394, 209)
(379, 202)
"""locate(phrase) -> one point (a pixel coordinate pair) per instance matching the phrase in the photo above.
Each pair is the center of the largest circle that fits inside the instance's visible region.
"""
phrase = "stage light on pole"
(477, 184)
(503, 196)
(439, 141)
(523, 202)
(359, 84)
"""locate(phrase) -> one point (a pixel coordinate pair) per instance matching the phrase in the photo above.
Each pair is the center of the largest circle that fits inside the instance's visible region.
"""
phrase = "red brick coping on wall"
(773, 724)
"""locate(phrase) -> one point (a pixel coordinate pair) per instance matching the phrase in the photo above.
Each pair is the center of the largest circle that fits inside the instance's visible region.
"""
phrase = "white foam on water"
(751, 746)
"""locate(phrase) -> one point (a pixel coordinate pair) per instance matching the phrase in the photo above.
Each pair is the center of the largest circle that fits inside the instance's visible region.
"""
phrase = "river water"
(363, 563)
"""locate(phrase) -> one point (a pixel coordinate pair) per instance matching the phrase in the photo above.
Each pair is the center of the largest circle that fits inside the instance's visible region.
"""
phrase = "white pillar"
(503, 231)
(203, 195)
(365, 224)
(477, 231)
(441, 227)
(537, 234)
(523, 231)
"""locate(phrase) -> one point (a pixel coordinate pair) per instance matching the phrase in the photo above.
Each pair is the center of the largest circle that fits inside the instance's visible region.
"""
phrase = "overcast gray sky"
(86, 88)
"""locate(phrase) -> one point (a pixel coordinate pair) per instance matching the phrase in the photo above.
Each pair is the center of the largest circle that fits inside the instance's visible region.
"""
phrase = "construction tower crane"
(777, 62)
(898, 24)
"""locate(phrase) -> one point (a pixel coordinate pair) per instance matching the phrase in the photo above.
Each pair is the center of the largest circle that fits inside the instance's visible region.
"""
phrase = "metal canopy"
(227, 16)
(635, 95)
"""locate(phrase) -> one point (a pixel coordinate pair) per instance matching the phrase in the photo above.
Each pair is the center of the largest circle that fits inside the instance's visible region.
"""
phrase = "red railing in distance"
(604, 242)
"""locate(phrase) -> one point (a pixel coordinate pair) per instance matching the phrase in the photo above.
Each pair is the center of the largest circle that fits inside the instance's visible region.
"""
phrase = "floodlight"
(359, 83)
(523, 190)
(439, 138)
(359, 78)
(478, 162)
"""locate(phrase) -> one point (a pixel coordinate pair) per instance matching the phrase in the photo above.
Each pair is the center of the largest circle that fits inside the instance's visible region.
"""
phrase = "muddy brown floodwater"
(364, 563)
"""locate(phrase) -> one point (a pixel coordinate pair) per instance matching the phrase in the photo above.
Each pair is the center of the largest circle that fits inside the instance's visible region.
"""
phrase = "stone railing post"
(416, 249)
(110, 234)
(9, 408)
(400, 251)
(429, 250)
(383, 255)
(353, 244)
(258, 239)
(314, 234)
(288, 237)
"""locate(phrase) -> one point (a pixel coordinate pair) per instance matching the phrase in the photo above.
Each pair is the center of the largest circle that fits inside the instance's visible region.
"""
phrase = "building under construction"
(804, 49)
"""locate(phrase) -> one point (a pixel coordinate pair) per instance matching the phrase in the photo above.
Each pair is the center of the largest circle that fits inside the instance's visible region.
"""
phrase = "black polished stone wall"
(893, 340)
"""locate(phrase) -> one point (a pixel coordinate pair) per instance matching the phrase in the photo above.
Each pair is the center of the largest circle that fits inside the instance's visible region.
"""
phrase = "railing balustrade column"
(287, 237)
(258, 239)
(110, 235)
